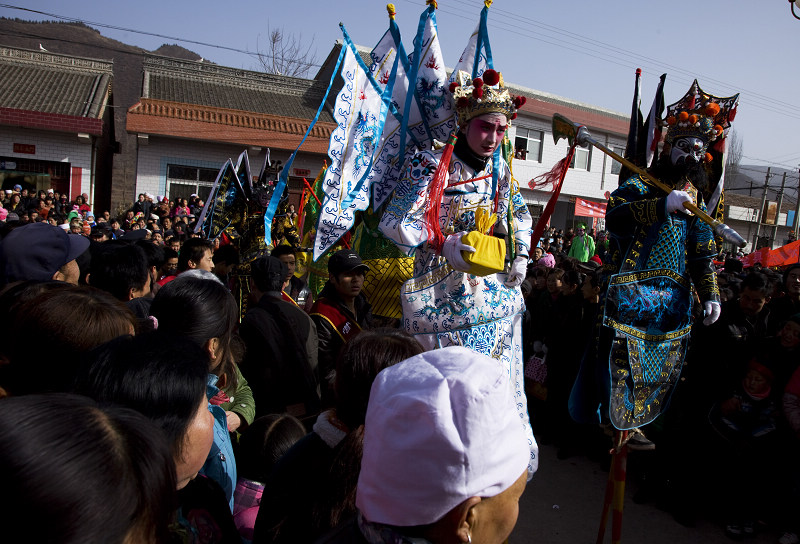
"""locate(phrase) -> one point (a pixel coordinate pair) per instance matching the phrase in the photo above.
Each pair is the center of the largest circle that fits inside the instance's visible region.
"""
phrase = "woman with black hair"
(163, 377)
(199, 307)
(89, 475)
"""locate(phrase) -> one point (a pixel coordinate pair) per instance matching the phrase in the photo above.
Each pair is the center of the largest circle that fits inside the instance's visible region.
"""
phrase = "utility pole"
(778, 214)
(796, 224)
(761, 210)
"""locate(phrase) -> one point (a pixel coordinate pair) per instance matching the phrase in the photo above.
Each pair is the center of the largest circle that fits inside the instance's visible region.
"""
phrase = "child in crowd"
(748, 422)
(260, 446)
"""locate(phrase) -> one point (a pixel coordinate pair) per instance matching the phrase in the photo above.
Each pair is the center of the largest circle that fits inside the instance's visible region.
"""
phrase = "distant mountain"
(750, 182)
(177, 52)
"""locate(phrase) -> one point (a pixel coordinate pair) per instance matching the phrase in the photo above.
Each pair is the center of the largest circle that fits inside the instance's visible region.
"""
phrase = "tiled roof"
(44, 82)
(191, 121)
(214, 86)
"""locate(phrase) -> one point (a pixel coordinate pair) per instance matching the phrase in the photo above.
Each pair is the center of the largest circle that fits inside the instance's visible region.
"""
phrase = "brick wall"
(50, 121)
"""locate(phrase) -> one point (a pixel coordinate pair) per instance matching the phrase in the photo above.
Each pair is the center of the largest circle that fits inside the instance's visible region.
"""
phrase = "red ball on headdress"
(477, 83)
(477, 92)
(491, 77)
(513, 116)
(462, 102)
(453, 87)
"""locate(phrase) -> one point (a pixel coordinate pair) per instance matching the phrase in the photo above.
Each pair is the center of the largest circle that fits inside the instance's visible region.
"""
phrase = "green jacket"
(582, 248)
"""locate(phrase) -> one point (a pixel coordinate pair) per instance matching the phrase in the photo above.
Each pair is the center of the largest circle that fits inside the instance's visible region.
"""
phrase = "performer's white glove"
(452, 248)
(516, 274)
(675, 201)
(711, 309)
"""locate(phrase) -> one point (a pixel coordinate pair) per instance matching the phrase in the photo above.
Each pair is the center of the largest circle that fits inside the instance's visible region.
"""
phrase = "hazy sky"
(583, 50)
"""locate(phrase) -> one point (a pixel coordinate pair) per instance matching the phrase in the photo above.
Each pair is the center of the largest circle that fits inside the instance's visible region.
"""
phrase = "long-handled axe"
(564, 128)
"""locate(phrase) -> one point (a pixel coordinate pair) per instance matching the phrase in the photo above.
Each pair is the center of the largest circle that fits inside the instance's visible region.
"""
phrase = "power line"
(763, 101)
(124, 29)
(781, 165)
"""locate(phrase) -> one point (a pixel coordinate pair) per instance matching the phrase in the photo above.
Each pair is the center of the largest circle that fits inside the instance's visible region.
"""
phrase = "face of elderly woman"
(485, 132)
(495, 517)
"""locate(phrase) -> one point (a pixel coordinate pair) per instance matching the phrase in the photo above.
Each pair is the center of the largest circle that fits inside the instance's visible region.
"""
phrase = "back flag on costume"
(243, 173)
(633, 150)
(360, 113)
(651, 126)
(422, 116)
(391, 154)
(225, 204)
(477, 55)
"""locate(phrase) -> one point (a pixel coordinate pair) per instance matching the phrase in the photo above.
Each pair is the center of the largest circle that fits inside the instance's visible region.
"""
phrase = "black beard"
(675, 174)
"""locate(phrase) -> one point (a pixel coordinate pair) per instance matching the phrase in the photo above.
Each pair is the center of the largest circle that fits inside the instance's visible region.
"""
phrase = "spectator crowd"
(157, 389)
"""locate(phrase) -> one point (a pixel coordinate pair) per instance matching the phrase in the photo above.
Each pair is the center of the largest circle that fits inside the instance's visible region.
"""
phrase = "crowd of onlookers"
(148, 403)
(144, 402)
(728, 444)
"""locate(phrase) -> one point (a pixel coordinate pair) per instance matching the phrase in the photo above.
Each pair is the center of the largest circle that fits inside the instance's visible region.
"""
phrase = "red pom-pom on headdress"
(462, 102)
(453, 87)
(477, 83)
(477, 92)
(491, 77)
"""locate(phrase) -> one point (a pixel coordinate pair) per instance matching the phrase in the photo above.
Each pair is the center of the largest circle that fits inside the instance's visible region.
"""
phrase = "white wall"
(153, 159)
(591, 184)
(52, 146)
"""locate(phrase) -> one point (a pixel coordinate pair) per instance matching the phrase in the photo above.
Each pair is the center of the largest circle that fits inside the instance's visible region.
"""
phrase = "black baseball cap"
(345, 260)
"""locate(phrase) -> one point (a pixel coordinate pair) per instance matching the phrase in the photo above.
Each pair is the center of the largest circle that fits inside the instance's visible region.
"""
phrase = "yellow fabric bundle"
(490, 252)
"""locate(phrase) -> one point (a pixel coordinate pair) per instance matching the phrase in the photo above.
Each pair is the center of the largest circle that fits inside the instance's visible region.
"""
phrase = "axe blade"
(563, 128)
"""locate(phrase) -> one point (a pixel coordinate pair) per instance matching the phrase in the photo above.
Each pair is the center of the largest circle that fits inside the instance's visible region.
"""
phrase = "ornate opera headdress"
(474, 97)
(700, 115)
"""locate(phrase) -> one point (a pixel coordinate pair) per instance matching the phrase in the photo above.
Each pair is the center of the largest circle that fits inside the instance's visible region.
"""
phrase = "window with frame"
(616, 166)
(183, 181)
(582, 158)
(528, 144)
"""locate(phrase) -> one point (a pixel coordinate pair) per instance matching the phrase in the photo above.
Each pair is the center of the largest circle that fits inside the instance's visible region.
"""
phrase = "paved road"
(563, 503)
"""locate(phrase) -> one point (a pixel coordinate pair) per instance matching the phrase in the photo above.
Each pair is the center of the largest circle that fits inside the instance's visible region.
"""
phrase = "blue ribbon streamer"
(269, 214)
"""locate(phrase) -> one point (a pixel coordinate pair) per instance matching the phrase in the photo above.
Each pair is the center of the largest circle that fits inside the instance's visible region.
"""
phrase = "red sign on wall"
(30, 149)
(302, 172)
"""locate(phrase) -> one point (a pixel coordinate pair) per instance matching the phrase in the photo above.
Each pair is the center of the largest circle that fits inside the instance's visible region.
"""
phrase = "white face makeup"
(687, 149)
(485, 133)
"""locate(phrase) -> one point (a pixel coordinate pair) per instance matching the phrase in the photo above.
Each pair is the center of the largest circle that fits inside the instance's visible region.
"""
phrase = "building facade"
(54, 122)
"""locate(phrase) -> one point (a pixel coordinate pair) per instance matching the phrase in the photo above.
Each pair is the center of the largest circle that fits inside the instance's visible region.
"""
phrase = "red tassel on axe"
(554, 177)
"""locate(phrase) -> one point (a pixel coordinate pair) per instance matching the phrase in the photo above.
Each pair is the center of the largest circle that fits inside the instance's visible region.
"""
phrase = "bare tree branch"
(733, 150)
(285, 54)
